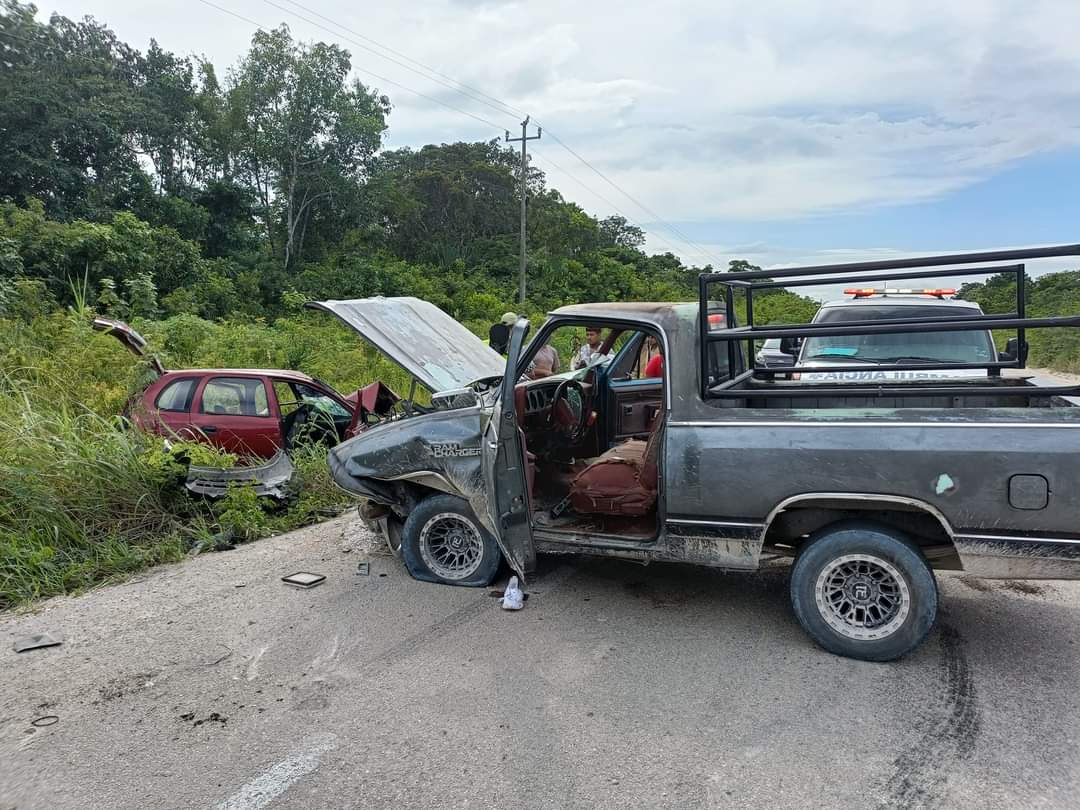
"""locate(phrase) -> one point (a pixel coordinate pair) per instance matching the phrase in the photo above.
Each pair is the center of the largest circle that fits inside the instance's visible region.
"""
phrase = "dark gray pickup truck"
(697, 458)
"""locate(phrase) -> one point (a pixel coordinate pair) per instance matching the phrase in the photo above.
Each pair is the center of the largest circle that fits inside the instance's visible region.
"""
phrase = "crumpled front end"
(395, 464)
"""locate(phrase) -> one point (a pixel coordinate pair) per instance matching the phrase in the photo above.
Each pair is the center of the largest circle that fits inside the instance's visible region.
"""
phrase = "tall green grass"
(85, 499)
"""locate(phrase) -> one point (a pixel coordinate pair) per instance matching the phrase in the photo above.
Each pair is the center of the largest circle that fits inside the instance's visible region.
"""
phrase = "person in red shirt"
(655, 366)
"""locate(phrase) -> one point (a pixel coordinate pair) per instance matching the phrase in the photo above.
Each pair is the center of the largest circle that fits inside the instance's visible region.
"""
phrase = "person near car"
(655, 367)
(594, 341)
(499, 333)
(544, 363)
(649, 360)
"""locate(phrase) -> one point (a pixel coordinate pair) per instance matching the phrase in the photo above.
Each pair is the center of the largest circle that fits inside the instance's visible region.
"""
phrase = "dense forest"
(165, 190)
(206, 207)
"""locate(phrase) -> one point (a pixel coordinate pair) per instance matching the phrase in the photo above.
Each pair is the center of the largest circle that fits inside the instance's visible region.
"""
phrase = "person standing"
(594, 340)
(544, 363)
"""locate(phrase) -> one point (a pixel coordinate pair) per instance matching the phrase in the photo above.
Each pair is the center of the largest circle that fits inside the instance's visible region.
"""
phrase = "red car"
(251, 412)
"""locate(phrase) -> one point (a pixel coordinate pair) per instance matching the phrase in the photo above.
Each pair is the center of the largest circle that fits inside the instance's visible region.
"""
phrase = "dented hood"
(421, 338)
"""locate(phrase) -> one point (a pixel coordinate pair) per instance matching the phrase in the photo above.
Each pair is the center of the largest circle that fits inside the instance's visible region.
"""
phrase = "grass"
(84, 499)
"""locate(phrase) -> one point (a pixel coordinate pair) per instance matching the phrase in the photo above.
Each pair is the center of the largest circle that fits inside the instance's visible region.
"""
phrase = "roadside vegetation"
(206, 211)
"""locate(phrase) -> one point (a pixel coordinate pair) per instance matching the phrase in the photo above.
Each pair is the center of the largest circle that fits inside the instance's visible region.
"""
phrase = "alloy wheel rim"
(451, 546)
(862, 597)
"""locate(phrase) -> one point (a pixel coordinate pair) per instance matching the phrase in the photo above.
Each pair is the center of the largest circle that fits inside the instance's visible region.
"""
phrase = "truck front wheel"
(442, 541)
(863, 591)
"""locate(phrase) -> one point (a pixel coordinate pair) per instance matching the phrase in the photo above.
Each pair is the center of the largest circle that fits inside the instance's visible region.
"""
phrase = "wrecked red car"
(250, 412)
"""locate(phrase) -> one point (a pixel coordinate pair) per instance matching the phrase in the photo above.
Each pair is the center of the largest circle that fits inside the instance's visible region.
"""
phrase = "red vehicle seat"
(620, 482)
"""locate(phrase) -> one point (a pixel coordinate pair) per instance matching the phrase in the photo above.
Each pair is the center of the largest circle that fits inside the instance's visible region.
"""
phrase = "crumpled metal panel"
(270, 479)
(135, 342)
(421, 338)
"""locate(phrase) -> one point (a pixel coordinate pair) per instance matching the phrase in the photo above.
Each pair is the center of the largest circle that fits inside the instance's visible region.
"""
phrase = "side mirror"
(1014, 350)
(790, 345)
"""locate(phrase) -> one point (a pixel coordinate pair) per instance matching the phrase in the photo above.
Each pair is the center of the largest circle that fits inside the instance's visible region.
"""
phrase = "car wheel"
(442, 541)
(864, 591)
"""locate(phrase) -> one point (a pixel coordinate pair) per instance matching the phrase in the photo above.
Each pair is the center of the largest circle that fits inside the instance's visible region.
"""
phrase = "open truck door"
(504, 467)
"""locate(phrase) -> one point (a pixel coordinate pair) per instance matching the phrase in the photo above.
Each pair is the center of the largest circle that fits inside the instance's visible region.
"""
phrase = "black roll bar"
(856, 273)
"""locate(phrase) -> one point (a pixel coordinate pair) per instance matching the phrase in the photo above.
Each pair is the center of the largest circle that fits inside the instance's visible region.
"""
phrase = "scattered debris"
(37, 642)
(346, 549)
(513, 598)
(270, 479)
(45, 720)
(304, 579)
(363, 569)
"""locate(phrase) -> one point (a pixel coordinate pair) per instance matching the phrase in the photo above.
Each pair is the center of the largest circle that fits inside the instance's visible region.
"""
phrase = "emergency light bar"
(866, 292)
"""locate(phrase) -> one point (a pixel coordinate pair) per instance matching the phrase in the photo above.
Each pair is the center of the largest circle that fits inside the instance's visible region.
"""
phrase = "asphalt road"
(616, 686)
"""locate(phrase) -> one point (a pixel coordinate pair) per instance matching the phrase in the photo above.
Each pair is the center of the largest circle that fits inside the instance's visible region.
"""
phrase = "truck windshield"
(943, 347)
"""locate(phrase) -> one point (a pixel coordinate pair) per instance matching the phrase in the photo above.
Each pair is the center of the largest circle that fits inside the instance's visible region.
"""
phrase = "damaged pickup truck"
(868, 486)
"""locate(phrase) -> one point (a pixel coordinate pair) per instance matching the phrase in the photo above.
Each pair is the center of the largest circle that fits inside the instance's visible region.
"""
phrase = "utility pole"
(525, 138)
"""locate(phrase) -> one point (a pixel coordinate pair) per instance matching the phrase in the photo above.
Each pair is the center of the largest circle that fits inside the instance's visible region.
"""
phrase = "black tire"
(442, 541)
(841, 563)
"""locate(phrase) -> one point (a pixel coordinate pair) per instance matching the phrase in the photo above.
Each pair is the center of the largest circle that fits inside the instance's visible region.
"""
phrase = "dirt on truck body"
(697, 457)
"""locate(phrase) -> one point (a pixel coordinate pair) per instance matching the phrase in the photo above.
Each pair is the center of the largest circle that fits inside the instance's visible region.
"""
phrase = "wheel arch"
(817, 510)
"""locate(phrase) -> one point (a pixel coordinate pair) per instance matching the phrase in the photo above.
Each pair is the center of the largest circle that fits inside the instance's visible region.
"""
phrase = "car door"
(166, 407)
(635, 400)
(504, 468)
(238, 414)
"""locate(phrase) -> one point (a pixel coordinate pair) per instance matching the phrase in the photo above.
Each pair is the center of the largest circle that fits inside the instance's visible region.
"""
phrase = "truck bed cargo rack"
(855, 274)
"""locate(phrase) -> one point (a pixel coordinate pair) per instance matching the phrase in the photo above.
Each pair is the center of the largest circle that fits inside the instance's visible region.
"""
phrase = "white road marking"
(270, 784)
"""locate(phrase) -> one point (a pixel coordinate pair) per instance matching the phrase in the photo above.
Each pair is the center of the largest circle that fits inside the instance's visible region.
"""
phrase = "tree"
(617, 230)
(303, 131)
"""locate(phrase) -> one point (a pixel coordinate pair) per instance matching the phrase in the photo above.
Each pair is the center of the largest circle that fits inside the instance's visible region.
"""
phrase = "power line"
(537, 158)
(636, 202)
(481, 96)
(406, 88)
(489, 100)
(502, 108)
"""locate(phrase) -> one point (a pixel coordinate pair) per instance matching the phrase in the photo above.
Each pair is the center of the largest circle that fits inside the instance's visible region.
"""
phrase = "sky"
(779, 132)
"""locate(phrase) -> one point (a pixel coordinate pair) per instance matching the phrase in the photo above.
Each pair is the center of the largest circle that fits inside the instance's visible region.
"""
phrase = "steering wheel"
(561, 413)
(311, 422)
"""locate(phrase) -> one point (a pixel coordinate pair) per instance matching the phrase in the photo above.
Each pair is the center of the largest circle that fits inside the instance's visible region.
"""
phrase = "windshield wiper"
(917, 359)
(839, 357)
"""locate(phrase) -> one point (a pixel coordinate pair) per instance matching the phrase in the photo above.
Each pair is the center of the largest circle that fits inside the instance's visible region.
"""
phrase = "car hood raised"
(421, 338)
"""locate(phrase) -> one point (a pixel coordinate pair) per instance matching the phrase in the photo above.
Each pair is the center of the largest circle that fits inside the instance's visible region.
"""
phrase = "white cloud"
(703, 109)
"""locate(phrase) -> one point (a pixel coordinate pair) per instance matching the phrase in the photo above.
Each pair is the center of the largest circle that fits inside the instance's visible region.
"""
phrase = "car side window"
(321, 400)
(235, 396)
(176, 396)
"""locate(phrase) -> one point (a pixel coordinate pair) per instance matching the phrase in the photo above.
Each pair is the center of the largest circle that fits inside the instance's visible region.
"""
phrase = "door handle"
(209, 428)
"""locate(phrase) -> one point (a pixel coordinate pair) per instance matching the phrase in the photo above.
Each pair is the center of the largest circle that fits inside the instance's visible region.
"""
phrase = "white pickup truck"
(880, 351)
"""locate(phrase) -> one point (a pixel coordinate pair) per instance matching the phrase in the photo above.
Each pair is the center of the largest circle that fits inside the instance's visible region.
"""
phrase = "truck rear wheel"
(442, 541)
(863, 591)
